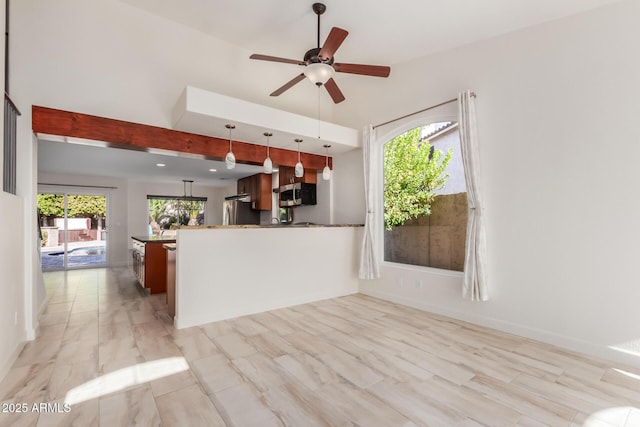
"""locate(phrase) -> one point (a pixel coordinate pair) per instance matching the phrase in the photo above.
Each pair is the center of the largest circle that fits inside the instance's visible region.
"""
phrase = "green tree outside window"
(413, 170)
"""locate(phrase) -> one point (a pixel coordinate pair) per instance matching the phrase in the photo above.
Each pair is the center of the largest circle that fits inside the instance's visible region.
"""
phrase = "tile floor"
(112, 353)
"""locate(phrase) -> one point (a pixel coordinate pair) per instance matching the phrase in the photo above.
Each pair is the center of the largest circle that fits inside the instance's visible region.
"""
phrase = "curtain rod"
(473, 94)
(78, 185)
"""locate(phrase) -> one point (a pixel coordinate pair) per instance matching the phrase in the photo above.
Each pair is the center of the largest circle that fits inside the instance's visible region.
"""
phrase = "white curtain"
(475, 281)
(369, 268)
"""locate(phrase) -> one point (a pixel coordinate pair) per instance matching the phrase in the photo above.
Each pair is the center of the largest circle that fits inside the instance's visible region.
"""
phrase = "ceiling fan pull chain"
(318, 112)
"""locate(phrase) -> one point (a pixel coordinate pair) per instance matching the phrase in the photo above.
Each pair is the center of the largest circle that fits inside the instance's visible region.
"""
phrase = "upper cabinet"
(286, 175)
(258, 187)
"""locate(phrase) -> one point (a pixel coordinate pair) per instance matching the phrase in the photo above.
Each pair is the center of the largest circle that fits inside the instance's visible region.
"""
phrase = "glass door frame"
(65, 192)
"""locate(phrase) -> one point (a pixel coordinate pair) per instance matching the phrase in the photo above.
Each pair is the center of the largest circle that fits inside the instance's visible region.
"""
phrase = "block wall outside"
(437, 240)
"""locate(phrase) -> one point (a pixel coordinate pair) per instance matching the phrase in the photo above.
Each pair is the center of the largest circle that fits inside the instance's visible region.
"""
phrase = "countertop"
(169, 246)
(154, 238)
(298, 225)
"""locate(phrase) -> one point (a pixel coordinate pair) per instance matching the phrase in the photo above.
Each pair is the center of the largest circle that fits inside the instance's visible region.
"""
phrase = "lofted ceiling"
(381, 32)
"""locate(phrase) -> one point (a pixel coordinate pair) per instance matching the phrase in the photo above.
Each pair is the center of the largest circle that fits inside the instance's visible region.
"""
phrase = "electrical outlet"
(400, 282)
(418, 283)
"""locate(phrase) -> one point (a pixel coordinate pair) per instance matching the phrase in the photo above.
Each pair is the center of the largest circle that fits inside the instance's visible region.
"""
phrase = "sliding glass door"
(73, 230)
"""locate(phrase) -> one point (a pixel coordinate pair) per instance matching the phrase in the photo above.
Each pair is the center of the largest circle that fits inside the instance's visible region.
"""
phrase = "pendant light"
(299, 169)
(267, 166)
(326, 172)
(230, 159)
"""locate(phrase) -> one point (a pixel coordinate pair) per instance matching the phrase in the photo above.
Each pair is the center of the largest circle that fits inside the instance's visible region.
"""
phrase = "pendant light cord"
(230, 127)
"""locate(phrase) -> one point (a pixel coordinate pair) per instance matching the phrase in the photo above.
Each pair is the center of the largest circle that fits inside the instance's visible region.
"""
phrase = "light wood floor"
(347, 361)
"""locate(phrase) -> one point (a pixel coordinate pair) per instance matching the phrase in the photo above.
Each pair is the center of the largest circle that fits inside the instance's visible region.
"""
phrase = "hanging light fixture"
(267, 166)
(230, 159)
(326, 172)
(299, 169)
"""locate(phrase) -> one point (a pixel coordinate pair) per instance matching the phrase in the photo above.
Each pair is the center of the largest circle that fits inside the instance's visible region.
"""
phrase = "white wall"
(12, 302)
(557, 111)
(348, 188)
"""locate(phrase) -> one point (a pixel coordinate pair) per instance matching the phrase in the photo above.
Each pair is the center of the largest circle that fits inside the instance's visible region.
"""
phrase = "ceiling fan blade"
(276, 59)
(367, 70)
(332, 43)
(288, 85)
(334, 91)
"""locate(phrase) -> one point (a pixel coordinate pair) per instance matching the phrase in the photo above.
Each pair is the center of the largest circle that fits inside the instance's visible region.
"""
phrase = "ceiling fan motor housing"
(311, 57)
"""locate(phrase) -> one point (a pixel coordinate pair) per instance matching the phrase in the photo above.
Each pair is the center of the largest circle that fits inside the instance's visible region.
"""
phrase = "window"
(425, 199)
(11, 114)
(166, 212)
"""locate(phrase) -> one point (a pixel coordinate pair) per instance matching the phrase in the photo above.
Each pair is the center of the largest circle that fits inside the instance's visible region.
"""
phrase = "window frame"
(383, 134)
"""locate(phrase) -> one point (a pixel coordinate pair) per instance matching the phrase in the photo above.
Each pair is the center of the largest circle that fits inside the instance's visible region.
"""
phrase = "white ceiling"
(96, 160)
(381, 32)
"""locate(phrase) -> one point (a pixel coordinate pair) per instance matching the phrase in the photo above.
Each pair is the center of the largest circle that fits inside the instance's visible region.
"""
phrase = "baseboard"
(33, 333)
(548, 337)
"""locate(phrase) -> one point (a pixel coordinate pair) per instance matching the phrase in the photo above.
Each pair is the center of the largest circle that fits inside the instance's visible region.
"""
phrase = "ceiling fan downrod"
(319, 9)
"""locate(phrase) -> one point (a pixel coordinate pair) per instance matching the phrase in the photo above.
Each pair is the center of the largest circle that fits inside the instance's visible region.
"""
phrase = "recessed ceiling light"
(160, 165)
(212, 170)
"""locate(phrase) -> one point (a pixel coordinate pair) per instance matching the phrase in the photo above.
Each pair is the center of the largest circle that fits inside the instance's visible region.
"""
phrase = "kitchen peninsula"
(149, 261)
(230, 271)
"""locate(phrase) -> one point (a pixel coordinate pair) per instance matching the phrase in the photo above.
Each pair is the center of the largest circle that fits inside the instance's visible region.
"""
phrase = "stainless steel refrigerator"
(237, 210)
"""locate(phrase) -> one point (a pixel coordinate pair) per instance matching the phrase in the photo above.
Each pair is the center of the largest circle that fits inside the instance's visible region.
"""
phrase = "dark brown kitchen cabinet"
(258, 187)
(287, 175)
(171, 279)
(150, 263)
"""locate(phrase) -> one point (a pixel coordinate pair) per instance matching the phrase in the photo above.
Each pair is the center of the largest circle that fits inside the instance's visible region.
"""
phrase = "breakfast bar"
(224, 272)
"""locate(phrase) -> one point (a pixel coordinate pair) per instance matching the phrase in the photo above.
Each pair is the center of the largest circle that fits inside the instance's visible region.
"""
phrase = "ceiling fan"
(319, 63)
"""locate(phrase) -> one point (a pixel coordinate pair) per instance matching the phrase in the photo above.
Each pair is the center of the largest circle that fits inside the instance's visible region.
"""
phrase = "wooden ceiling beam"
(135, 136)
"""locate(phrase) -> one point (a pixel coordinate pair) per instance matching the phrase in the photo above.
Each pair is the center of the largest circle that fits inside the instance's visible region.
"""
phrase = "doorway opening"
(73, 230)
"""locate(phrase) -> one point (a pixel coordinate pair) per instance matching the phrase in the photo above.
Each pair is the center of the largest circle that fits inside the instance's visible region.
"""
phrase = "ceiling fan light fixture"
(319, 72)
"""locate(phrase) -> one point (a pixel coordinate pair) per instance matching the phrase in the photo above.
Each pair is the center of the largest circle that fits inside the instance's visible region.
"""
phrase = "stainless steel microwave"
(298, 193)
